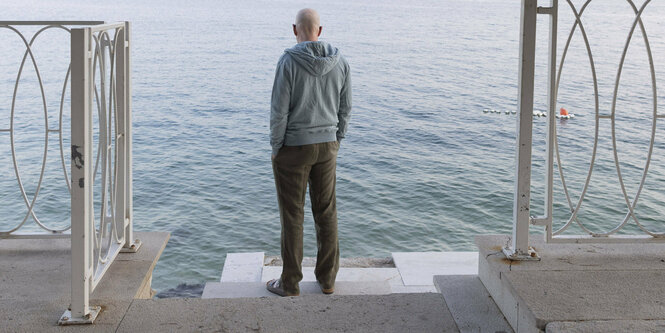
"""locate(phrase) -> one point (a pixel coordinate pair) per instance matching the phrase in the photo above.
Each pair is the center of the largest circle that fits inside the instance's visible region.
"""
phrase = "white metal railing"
(522, 218)
(101, 216)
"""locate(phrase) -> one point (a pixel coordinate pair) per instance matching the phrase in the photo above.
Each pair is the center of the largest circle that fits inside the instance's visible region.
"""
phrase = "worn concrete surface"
(35, 283)
(388, 313)
(419, 268)
(362, 262)
(361, 276)
(471, 305)
(575, 282)
(243, 267)
(608, 326)
(258, 289)
(390, 275)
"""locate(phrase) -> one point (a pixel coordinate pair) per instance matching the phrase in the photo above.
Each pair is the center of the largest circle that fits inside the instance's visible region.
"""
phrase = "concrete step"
(419, 268)
(367, 314)
(243, 267)
(470, 304)
(390, 275)
(606, 326)
(258, 289)
(349, 274)
(591, 283)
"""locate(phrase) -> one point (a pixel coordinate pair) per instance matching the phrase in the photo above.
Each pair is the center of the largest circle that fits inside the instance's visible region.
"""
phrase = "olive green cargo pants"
(294, 167)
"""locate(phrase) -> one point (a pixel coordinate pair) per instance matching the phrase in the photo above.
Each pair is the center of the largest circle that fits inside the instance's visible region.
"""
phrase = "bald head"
(308, 25)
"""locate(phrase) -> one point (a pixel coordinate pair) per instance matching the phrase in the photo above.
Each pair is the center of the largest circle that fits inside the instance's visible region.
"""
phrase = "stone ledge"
(575, 282)
(369, 313)
(35, 283)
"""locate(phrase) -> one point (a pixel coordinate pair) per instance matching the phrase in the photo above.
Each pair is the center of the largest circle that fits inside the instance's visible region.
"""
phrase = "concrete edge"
(145, 291)
(520, 318)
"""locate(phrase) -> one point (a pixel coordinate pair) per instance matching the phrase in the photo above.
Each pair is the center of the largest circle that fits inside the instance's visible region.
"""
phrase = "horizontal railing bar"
(608, 239)
(54, 131)
(660, 116)
(5, 130)
(602, 116)
(51, 22)
(545, 10)
(107, 26)
(539, 220)
(35, 236)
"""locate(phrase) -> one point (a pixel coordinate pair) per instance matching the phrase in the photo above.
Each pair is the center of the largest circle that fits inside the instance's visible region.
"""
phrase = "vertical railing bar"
(519, 247)
(81, 175)
(131, 244)
(121, 138)
(551, 122)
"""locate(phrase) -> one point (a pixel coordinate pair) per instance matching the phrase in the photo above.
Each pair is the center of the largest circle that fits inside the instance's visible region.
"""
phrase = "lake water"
(422, 168)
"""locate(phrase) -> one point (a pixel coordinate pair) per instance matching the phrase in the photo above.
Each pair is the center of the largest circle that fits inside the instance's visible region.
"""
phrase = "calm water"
(422, 169)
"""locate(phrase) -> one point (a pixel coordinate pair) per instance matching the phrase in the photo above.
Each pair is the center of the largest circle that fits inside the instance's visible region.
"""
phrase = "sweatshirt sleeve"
(344, 112)
(279, 105)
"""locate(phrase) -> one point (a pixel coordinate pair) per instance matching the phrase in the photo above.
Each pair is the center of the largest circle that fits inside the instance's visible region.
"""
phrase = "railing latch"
(545, 10)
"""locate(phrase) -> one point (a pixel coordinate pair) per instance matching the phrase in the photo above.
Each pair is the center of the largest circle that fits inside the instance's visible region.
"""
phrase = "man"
(309, 114)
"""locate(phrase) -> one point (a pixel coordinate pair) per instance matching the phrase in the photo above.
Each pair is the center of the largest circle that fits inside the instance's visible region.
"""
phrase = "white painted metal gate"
(99, 74)
(522, 217)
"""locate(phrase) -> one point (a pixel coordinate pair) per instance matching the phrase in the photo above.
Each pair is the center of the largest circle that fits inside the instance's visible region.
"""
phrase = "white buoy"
(544, 114)
(486, 110)
(572, 115)
(513, 112)
(506, 112)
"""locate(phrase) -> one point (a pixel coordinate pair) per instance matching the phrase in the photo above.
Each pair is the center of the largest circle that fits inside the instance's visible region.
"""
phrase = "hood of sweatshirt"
(318, 58)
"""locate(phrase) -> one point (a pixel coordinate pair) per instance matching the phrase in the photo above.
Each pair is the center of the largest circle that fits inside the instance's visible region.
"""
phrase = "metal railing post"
(82, 181)
(519, 248)
(123, 81)
(121, 135)
(551, 121)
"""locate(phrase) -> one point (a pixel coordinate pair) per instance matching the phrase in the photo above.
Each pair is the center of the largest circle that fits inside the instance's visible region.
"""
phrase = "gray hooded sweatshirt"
(311, 96)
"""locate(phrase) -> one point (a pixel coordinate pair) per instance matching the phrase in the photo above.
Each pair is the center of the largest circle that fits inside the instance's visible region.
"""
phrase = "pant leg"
(291, 169)
(322, 181)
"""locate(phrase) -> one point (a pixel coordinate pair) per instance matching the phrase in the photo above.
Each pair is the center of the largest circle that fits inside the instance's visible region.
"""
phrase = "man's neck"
(308, 39)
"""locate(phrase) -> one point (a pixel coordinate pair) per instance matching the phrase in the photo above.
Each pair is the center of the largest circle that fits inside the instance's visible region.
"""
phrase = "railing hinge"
(126, 43)
(545, 10)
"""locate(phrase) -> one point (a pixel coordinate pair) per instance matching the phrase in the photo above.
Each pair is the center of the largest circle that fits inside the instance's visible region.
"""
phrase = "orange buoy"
(563, 112)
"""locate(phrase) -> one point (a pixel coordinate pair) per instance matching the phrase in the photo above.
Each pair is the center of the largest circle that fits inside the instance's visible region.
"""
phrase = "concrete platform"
(575, 283)
(405, 272)
(419, 268)
(387, 313)
(35, 283)
(471, 305)
(608, 326)
(258, 289)
(242, 267)
(345, 274)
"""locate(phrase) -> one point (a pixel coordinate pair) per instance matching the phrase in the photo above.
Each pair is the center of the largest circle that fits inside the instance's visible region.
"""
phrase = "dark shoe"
(326, 291)
(275, 286)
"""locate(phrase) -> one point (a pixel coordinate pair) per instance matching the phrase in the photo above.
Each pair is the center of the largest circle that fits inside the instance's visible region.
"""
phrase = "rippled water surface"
(422, 168)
